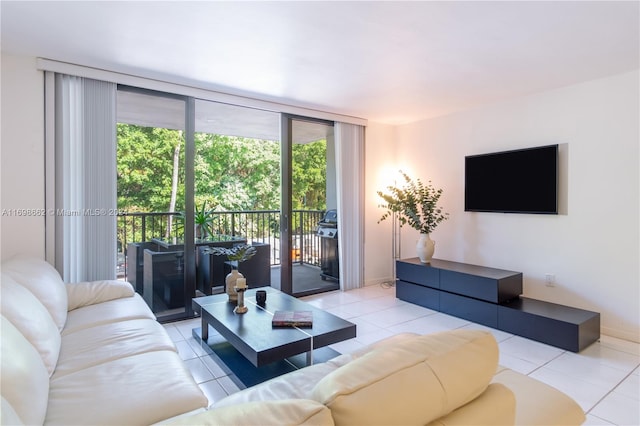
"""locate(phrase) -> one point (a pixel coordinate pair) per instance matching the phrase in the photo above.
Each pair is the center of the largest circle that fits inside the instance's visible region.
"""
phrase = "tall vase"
(425, 248)
(230, 282)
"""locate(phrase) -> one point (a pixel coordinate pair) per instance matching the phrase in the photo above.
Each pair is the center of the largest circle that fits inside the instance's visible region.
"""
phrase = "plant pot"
(200, 232)
(425, 248)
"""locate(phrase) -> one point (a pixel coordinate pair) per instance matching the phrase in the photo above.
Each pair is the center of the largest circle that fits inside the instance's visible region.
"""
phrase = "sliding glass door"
(195, 174)
(237, 191)
(151, 173)
(309, 264)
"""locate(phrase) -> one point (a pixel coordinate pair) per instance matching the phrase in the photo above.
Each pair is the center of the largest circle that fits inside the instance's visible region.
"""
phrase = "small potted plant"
(236, 254)
(203, 220)
(415, 204)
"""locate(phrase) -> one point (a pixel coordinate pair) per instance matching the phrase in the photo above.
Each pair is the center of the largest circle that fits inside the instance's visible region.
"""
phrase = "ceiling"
(213, 117)
(390, 62)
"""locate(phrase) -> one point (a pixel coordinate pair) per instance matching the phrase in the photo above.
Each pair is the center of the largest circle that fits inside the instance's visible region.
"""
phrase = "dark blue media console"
(492, 297)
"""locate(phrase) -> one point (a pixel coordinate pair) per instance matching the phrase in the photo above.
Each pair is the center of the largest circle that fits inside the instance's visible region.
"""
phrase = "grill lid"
(330, 218)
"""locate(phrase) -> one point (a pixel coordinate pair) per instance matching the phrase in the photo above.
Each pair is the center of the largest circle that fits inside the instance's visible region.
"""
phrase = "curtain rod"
(186, 90)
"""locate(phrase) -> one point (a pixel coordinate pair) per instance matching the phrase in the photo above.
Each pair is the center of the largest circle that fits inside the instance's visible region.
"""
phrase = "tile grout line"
(546, 363)
(612, 390)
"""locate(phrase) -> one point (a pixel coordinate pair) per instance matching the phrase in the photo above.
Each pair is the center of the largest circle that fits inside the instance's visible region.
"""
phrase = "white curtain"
(350, 176)
(85, 178)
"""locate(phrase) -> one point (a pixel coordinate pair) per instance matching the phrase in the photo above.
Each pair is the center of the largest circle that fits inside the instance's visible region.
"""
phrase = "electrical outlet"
(550, 280)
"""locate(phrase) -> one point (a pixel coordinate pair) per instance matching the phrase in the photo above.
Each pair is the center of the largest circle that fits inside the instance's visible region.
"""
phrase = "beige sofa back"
(413, 382)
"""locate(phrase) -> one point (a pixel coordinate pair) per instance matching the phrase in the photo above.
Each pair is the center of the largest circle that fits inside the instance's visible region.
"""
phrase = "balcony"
(260, 226)
(256, 227)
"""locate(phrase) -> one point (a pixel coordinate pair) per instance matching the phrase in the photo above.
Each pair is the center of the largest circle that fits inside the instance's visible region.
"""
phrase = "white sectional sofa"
(92, 353)
(85, 353)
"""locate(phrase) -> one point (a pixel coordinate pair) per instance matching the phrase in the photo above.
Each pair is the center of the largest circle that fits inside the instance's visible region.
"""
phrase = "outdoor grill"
(328, 232)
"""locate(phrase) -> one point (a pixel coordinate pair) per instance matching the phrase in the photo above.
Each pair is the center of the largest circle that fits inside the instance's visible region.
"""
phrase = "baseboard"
(379, 281)
(620, 334)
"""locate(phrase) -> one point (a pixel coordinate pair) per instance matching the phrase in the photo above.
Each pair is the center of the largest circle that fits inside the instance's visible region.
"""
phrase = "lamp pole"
(395, 246)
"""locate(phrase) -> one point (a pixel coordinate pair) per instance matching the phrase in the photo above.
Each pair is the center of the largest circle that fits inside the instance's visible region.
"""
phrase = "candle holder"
(241, 308)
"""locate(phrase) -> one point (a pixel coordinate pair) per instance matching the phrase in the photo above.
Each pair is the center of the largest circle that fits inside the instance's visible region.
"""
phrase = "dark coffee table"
(252, 335)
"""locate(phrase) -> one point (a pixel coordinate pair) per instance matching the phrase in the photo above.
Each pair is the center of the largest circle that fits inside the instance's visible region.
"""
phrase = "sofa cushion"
(259, 413)
(127, 308)
(495, 406)
(296, 384)
(429, 375)
(90, 293)
(8, 415)
(106, 342)
(32, 319)
(41, 279)
(135, 390)
(550, 407)
(25, 380)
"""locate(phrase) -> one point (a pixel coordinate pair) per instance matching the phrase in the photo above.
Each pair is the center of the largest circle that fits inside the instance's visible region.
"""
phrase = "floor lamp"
(395, 246)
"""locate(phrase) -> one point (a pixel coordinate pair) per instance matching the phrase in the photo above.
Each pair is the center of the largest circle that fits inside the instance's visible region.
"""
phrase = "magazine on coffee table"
(292, 319)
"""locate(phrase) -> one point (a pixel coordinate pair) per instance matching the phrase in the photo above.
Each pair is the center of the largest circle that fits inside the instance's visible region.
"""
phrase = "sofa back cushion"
(261, 413)
(8, 415)
(25, 380)
(411, 383)
(32, 319)
(41, 279)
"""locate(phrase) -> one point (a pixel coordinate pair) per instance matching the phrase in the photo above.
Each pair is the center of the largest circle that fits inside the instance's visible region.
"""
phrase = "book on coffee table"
(292, 319)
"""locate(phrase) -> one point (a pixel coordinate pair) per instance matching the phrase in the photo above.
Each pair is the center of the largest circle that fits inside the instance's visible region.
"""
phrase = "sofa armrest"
(93, 292)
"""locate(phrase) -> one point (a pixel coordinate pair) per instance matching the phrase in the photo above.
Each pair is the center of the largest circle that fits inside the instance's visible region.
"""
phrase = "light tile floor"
(604, 378)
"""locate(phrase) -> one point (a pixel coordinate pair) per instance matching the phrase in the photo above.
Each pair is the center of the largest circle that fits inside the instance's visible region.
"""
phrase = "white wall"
(380, 140)
(593, 248)
(22, 157)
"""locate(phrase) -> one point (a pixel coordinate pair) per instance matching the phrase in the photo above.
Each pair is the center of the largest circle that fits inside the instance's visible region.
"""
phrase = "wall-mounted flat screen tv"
(518, 181)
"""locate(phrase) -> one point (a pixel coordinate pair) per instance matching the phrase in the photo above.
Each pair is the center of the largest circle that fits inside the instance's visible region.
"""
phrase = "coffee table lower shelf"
(242, 372)
(252, 349)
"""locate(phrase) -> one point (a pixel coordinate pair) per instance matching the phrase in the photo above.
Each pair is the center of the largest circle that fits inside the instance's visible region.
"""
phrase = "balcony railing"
(261, 226)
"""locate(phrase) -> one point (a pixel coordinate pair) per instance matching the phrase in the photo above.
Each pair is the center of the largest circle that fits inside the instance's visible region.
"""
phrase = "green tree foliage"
(236, 173)
(231, 173)
(309, 175)
(145, 166)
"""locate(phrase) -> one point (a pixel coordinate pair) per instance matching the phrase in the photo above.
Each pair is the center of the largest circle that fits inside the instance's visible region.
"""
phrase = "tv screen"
(519, 181)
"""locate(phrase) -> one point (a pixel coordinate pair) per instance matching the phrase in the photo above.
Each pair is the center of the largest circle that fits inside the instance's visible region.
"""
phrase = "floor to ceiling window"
(151, 198)
(310, 265)
(237, 190)
(249, 186)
